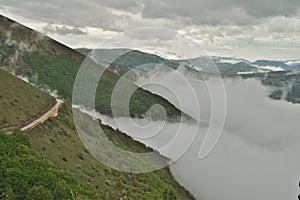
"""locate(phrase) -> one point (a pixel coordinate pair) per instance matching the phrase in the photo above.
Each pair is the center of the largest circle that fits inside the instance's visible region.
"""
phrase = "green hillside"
(24, 174)
(20, 101)
(57, 141)
(284, 84)
(232, 69)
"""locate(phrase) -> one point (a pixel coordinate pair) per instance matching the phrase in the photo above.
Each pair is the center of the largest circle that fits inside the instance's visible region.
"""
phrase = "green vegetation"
(19, 101)
(169, 195)
(58, 69)
(230, 69)
(24, 174)
(59, 72)
(135, 58)
(282, 81)
(128, 58)
(57, 141)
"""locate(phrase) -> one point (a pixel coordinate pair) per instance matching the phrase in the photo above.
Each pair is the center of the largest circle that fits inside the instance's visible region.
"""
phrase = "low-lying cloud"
(63, 30)
(257, 154)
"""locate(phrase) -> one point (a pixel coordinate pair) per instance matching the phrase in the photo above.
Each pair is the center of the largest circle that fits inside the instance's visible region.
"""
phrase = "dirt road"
(50, 113)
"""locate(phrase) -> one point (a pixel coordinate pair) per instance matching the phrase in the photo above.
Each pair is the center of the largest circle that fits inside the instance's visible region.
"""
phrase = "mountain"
(122, 60)
(163, 54)
(50, 162)
(48, 64)
(236, 65)
(238, 68)
(295, 67)
(230, 60)
(292, 62)
(127, 57)
(281, 77)
(225, 66)
(272, 64)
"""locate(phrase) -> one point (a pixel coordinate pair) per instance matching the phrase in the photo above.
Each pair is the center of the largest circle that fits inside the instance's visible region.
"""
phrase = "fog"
(257, 155)
(34, 82)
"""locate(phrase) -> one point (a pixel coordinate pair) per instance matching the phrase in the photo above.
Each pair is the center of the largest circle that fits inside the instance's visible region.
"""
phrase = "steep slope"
(57, 141)
(19, 101)
(48, 63)
(24, 174)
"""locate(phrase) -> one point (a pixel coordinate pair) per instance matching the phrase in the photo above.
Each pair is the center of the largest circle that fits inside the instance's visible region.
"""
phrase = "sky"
(264, 29)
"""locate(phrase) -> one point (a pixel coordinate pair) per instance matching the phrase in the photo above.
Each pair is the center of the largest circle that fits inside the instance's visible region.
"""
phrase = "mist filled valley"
(256, 155)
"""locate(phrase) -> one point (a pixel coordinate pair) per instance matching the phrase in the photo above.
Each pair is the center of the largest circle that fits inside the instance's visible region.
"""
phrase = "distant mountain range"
(282, 76)
(226, 65)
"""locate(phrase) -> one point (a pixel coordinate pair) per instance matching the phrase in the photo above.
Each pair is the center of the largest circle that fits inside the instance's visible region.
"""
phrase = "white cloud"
(266, 29)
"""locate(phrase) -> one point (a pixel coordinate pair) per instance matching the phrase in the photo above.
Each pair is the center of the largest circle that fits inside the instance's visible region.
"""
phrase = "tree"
(39, 193)
(4, 120)
(169, 194)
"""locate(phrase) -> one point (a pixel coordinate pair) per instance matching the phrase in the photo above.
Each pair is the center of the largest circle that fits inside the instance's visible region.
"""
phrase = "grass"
(24, 174)
(19, 101)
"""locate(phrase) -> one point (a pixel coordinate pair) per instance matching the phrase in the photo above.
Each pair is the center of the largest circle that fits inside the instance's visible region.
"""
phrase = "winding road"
(50, 113)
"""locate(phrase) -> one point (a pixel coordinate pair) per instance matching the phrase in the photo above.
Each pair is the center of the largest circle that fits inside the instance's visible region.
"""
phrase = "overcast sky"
(252, 29)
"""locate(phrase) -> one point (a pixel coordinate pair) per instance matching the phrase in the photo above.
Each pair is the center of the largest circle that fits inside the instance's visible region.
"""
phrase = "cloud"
(63, 30)
(99, 13)
(224, 27)
(225, 11)
(71, 13)
(257, 155)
